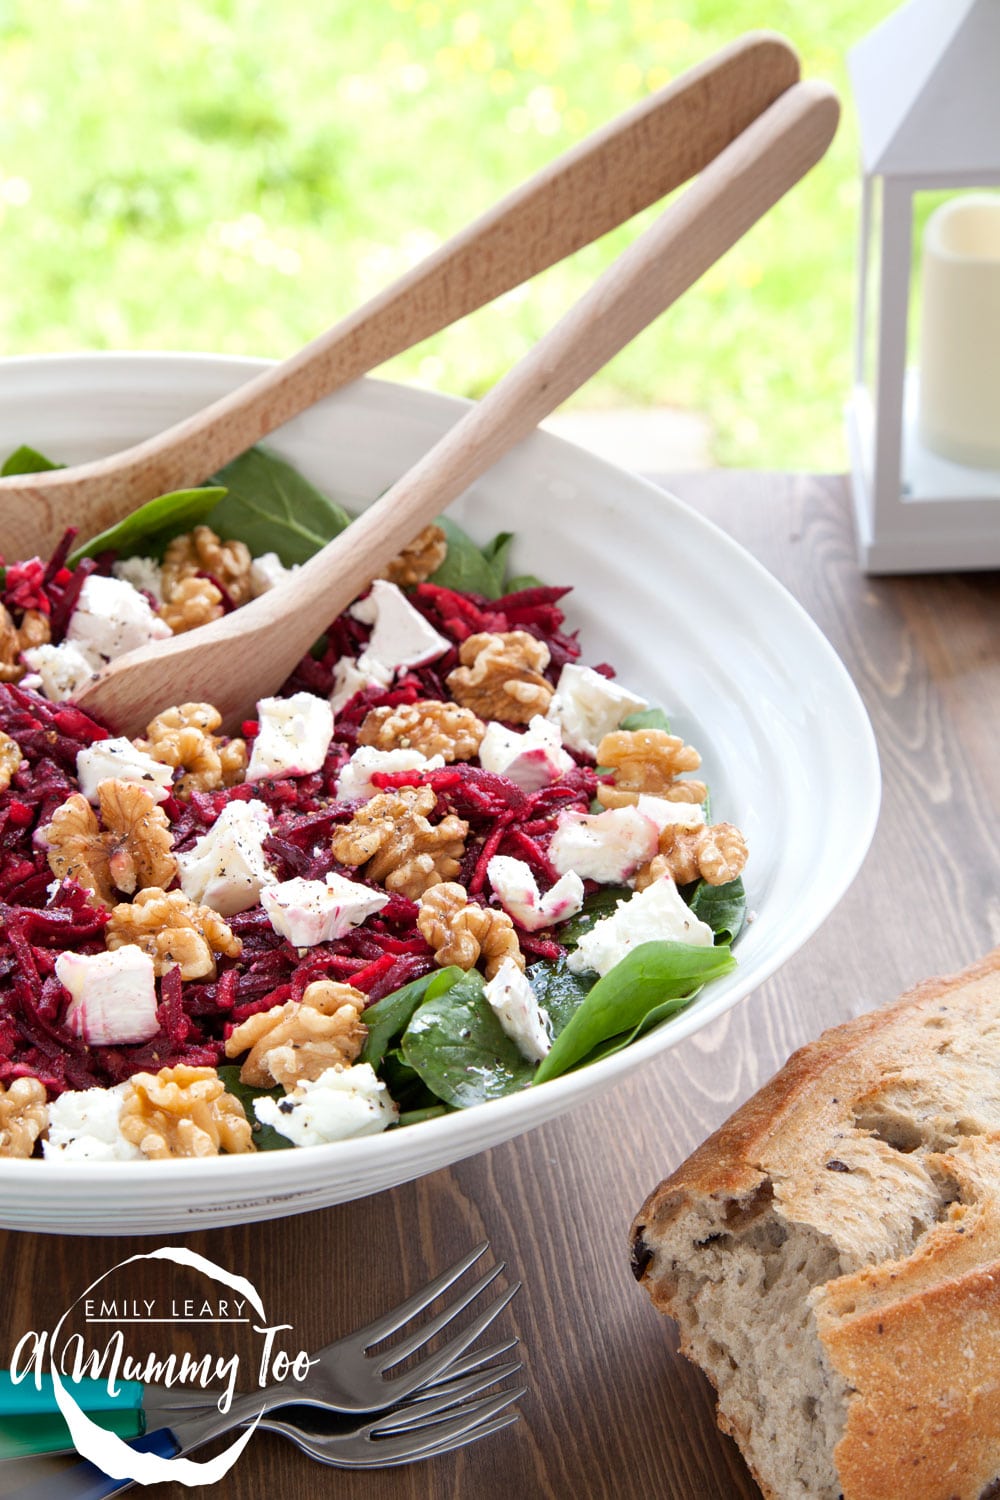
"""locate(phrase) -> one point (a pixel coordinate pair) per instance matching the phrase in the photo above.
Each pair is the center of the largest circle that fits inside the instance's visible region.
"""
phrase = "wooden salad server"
(247, 654)
(591, 189)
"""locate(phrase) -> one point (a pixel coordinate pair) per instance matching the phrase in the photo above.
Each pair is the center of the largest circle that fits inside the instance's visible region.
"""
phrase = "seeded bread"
(832, 1255)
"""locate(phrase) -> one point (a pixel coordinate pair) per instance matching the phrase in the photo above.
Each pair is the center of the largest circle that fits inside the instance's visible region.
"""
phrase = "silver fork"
(349, 1378)
(424, 1429)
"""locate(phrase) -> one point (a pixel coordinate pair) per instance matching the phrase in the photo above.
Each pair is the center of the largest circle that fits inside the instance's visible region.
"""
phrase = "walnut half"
(301, 1039)
(400, 849)
(133, 851)
(32, 631)
(10, 759)
(183, 737)
(183, 1111)
(24, 1114)
(649, 761)
(174, 931)
(460, 931)
(716, 855)
(430, 726)
(501, 676)
(418, 559)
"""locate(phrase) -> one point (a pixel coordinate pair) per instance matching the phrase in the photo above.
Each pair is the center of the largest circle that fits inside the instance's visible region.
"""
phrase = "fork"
(401, 1436)
(346, 1376)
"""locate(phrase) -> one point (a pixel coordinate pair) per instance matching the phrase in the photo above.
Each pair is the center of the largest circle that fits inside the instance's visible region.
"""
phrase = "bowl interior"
(688, 619)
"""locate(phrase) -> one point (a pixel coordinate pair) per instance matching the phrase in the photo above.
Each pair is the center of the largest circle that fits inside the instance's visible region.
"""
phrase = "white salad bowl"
(686, 616)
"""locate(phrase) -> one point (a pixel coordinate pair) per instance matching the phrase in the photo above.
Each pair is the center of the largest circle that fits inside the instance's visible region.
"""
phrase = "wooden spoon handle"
(613, 174)
(729, 197)
(250, 652)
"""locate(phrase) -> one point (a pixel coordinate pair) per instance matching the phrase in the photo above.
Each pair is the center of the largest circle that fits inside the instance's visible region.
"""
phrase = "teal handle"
(25, 1399)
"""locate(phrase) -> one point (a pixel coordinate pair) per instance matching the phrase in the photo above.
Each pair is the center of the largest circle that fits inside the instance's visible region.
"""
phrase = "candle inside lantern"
(960, 332)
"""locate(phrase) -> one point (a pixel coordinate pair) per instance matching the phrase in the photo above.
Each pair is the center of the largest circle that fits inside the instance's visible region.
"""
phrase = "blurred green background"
(234, 175)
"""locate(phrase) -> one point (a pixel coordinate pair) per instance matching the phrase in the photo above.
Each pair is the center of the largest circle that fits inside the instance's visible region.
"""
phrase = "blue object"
(25, 1399)
(87, 1482)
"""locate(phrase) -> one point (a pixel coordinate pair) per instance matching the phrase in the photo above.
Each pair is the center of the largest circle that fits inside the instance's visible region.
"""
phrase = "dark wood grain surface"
(613, 1413)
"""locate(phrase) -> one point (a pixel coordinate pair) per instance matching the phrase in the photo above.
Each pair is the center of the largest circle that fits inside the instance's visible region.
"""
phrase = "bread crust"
(913, 1326)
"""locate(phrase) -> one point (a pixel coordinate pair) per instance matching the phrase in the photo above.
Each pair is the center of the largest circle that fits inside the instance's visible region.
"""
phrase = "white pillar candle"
(960, 332)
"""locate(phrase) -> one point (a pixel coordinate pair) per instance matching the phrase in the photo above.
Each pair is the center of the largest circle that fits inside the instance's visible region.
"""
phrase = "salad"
(446, 862)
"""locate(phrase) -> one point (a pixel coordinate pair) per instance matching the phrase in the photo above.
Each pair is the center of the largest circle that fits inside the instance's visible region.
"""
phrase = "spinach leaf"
(521, 582)
(466, 568)
(265, 1137)
(595, 906)
(406, 1086)
(153, 525)
(273, 509)
(652, 974)
(559, 991)
(459, 1048)
(496, 553)
(723, 907)
(414, 1116)
(647, 718)
(389, 1017)
(650, 1019)
(25, 460)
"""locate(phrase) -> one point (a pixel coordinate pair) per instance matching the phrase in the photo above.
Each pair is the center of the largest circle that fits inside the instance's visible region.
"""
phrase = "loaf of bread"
(832, 1256)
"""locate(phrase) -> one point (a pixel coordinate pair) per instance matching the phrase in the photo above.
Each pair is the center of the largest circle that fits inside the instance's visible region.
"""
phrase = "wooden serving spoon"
(248, 653)
(599, 184)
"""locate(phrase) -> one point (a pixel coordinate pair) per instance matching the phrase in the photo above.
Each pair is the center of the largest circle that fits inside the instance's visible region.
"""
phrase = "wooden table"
(613, 1412)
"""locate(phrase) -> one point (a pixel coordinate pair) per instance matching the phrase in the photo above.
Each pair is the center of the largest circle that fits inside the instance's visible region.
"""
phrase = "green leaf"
(466, 568)
(723, 907)
(153, 525)
(389, 1017)
(414, 1116)
(496, 553)
(521, 582)
(559, 991)
(25, 460)
(265, 1137)
(598, 904)
(459, 1048)
(273, 509)
(646, 978)
(648, 718)
(650, 1019)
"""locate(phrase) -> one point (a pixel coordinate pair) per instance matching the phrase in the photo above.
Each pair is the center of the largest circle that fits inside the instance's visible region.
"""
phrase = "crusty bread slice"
(832, 1255)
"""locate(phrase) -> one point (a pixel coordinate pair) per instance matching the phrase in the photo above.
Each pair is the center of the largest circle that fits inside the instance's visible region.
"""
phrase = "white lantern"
(927, 88)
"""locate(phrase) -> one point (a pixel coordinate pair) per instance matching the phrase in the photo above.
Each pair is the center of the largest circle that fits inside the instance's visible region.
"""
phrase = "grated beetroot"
(388, 951)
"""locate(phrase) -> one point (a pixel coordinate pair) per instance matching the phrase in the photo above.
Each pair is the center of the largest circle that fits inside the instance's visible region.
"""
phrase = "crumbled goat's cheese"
(63, 669)
(608, 846)
(513, 1001)
(400, 637)
(120, 760)
(656, 914)
(663, 813)
(307, 912)
(587, 706)
(142, 573)
(267, 571)
(340, 1105)
(347, 681)
(293, 737)
(111, 618)
(226, 869)
(532, 759)
(355, 780)
(84, 1126)
(516, 888)
(113, 995)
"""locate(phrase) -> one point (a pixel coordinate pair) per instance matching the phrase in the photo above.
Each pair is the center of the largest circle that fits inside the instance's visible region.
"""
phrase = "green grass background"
(234, 175)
